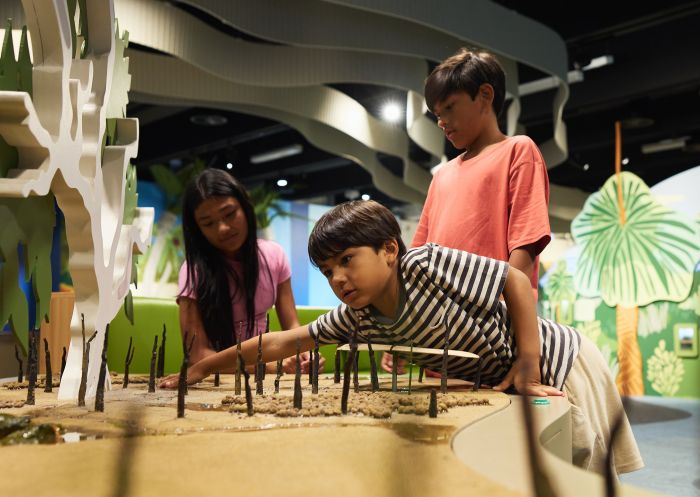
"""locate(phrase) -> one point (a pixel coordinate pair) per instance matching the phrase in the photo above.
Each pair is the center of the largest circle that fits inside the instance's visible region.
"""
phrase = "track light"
(276, 154)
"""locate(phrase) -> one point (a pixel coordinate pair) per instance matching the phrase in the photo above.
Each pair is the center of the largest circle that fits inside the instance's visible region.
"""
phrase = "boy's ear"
(391, 247)
(486, 93)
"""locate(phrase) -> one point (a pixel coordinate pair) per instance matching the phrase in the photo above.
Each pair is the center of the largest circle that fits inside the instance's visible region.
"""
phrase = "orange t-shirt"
(490, 204)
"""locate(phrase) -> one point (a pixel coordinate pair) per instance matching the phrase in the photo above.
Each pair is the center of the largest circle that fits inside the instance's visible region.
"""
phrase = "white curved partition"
(496, 448)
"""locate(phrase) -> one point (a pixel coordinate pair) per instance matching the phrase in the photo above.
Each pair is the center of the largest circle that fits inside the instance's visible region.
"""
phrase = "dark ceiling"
(653, 87)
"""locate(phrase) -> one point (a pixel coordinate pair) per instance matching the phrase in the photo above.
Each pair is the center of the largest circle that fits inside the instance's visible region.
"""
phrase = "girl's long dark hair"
(207, 271)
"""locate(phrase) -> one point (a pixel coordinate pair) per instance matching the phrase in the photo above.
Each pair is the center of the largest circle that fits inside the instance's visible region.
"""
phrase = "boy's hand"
(194, 375)
(525, 376)
(289, 364)
(388, 362)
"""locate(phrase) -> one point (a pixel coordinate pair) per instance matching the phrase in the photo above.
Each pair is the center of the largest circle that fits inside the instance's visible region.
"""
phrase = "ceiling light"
(208, 119)
(351, 194)
(282, 182)
(575, 76)
(365, 196)
(276, 154)
(597, 62)
(229, 165)
(637, 122)
(664, 145)
(391, 112)
(625, 161)
(586, 167)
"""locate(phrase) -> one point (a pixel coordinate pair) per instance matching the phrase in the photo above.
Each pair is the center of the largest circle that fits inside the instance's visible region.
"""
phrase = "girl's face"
(223, 223)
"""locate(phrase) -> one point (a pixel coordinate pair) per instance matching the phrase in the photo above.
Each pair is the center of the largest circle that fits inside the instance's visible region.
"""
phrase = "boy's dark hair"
(359, 223)
(466, 71)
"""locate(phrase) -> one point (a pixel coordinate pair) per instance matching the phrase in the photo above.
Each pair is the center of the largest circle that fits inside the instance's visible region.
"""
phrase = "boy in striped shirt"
(399, 297)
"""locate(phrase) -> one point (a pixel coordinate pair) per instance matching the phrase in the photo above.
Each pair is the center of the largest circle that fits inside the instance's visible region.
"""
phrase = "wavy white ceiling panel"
(336, 122)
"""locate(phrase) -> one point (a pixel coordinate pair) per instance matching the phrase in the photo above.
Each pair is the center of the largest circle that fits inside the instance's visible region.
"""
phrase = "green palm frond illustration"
(560, 284)
(648, 258)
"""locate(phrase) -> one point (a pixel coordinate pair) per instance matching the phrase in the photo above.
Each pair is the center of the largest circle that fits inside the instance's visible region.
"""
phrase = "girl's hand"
(194, 375)
(388, 362)
(289, 364)
(525, 376)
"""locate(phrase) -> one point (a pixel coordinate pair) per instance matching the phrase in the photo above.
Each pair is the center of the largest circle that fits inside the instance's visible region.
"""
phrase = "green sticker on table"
(541, 402)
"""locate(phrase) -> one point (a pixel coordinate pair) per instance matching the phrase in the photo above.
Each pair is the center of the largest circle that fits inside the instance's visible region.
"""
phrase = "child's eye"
(327, 273)
(345, 260)
(206, 225)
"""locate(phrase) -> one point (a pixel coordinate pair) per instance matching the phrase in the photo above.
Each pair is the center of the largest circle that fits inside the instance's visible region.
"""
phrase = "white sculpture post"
(59, 136)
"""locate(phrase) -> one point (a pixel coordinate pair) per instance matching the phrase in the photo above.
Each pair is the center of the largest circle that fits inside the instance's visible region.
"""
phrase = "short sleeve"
(468, 279)
(528, 213)
(277, 261)
(335, 326)
(182, 289)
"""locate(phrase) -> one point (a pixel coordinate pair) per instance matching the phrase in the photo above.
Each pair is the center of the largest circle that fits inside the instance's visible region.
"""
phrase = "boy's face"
(360, 276)
(460, 116)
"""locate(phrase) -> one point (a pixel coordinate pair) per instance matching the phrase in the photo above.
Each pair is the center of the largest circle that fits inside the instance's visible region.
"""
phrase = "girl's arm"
(525, 373)
(192, 324)
(275, 346)
(285, 307)
(287, 314)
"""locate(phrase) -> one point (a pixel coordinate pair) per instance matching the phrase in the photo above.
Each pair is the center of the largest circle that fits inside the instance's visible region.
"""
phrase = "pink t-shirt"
(490, 204)
(274, 269)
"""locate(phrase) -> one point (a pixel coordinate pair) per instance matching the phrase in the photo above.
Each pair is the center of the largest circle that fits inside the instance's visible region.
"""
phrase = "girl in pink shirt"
(230, 279)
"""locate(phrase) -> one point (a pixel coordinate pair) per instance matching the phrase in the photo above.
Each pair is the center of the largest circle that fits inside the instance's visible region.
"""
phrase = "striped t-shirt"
(447, 289)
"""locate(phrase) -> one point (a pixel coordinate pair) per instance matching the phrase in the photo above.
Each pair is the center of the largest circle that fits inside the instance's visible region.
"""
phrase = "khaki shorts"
(596, 404)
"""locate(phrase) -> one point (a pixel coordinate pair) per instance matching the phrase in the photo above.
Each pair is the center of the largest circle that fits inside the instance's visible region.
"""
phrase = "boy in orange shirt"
(491, 200)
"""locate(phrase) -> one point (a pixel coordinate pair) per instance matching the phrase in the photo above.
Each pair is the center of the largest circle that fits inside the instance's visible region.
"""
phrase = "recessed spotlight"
(282, 182)
(586, 167)
(208, 119)
(229, 165)
(391, 112)
(625, 161)
(365, 196)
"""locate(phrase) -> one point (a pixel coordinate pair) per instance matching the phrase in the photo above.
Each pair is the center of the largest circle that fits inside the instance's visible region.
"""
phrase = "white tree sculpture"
(60, 133)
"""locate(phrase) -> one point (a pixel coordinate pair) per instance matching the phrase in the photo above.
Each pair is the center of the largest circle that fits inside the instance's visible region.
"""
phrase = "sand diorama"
(249, 435)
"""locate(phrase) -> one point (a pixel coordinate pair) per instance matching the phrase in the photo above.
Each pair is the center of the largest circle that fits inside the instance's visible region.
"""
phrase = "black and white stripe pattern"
(449, 289)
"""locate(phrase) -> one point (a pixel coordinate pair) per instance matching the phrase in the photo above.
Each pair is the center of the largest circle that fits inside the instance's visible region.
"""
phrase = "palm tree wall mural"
(634, 251)
(562, 293)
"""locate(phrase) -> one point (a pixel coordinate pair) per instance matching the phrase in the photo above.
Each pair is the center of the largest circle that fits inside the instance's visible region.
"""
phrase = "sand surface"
(213, 451)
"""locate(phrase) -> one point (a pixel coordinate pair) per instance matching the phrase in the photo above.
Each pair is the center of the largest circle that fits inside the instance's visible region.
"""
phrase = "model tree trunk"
(629, 380)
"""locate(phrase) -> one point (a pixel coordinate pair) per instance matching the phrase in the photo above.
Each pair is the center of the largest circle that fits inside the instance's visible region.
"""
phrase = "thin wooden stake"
(100, 392)
(374, 378)
(432, 407)
(160, 371)
(152, 375)
(297, 380)
(48, 383)
(259, 369)
(248, 394)
(63, 362)
(315, 366)
(127, 362)
(20, 371)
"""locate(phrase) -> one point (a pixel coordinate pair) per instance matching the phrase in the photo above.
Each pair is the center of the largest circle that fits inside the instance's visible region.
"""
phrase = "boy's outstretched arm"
(525, 373)
(275, 346)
